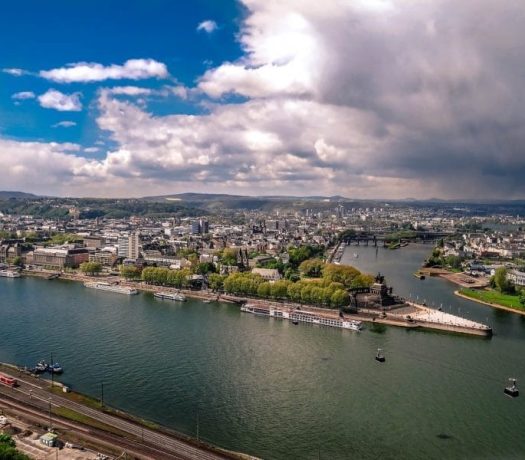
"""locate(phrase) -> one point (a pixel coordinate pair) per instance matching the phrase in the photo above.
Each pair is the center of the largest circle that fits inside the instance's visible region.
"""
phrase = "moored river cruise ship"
(111, 287)
(303, 316)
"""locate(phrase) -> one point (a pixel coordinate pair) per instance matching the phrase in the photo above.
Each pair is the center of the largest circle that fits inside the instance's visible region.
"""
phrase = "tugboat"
(512, 389)
(41, 366)
(380, 357)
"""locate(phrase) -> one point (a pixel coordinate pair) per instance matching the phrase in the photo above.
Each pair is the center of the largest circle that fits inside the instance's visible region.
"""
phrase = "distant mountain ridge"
(6, 195)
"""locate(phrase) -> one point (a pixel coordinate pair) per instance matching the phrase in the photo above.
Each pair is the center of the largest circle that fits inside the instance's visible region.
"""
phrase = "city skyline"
(364, 99)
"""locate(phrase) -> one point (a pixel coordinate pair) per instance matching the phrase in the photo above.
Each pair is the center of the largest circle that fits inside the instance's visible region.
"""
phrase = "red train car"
(9, 381)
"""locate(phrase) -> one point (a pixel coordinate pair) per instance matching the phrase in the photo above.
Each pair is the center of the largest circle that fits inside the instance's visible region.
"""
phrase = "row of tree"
(166, 277)
(320, 292)
(91, 268)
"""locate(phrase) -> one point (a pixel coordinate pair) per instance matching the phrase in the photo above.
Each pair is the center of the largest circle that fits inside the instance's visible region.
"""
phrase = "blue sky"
(362, 98)
(38, 35)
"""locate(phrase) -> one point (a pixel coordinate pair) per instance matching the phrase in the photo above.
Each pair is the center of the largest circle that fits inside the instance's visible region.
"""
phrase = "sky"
(360, 98)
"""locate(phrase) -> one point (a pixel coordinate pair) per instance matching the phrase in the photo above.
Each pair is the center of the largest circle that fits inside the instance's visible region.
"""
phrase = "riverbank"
(461, 279)
(490, 304)
(418, 317)
(149, 439)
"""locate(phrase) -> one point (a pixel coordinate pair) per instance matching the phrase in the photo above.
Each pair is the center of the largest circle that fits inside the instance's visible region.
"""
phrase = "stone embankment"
(419, 317)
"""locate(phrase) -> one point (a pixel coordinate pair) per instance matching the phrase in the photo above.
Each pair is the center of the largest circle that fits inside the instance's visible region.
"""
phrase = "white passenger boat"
(170, 296)
(297, 316)
(9, 274)
(103, 286)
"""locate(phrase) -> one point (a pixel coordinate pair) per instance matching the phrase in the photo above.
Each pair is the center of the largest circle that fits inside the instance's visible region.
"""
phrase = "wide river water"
(279, 391)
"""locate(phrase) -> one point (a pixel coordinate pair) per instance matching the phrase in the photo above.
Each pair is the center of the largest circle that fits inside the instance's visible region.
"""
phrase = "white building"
(517, 277)
(269, 274)
(129, 246)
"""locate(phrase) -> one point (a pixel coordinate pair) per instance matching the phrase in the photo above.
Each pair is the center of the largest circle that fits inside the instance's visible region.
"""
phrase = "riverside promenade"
(410, 315)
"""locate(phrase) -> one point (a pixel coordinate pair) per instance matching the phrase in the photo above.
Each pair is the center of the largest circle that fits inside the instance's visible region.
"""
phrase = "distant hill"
(216, 202)
(5, 195)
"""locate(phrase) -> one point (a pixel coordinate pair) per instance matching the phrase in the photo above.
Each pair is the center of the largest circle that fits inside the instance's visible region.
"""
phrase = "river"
(279, 391)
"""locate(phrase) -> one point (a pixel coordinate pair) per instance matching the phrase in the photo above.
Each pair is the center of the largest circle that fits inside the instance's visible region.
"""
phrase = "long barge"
(296, 316)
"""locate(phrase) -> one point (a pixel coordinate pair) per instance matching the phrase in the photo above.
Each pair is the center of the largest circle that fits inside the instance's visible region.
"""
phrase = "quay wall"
(390, 320)
(455, 329)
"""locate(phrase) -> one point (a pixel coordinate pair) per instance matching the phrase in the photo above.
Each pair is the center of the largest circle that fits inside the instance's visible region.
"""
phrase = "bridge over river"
(383, 239)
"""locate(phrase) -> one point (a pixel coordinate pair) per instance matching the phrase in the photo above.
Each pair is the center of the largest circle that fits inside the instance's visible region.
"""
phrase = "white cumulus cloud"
(64, 124)
(23, 95)
(53, 99)
(129, 91)
(208, 26)
(14, 72)
(132, 69)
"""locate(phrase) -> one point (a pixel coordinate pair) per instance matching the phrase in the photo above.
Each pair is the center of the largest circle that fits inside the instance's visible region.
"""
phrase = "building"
(204, 226)
(195, 227)
(269, 274)
(49, 439)
(517, 277)
(94, 242)
(61, 257)
(134, 246)
(104, 257)
(9, 251)
(200, 227)
(129, 246)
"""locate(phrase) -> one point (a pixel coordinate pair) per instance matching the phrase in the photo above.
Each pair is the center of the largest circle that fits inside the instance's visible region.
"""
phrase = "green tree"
(340, 298)
(216, 282)
(501, 282)
(130, 272)
(312, 267)
(204, 268)
(362, 280)
(90, 268)
(344, 274)
(279, 289)
(17, 261)
(7, 449)
(294, 292)
(264, 290)
(229, 257)
(453, 261)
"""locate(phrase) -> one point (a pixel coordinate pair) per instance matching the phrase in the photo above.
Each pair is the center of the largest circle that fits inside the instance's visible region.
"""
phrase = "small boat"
(512, 389)
(419, 275)
(295, 322)
(170, 296)
(206, 301)
(9, 274)
(356, 255)
(55, 369)
(380, 357)
(41, 366)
